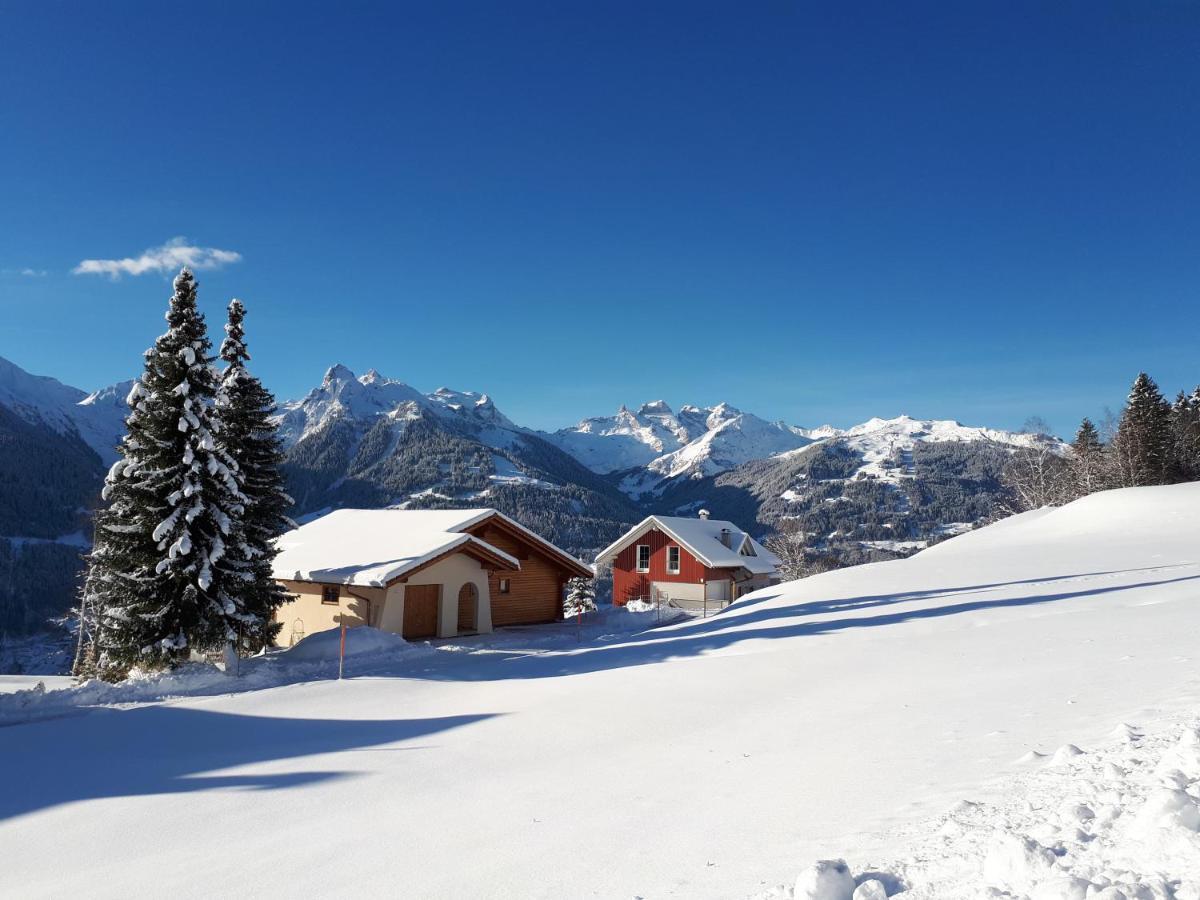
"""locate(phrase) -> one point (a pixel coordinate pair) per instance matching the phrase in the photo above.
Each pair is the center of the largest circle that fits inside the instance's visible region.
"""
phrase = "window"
(748, 549)
(331, 593)
(505, 585)
(643, 557)
(673, 560)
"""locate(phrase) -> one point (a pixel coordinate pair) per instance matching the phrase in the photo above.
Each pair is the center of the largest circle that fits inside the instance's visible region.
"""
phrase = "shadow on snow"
(165, 749)
(751, 621)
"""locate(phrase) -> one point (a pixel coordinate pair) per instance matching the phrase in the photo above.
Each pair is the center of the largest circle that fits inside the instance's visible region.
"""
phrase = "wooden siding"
(468, 607)
(630, 584)
(421, 610)
(535, 592)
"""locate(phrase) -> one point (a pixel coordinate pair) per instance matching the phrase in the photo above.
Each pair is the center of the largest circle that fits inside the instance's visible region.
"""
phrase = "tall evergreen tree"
(160, 575)
(1142, 449)
(1185, 429)
(251, 439)
(1087, 459)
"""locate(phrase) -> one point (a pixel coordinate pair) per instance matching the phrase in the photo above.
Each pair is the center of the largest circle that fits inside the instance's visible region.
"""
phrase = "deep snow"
(849, 716)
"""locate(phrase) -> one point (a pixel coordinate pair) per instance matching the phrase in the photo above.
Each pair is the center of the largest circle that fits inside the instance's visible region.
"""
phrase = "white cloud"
(172, 255)
(25, 273)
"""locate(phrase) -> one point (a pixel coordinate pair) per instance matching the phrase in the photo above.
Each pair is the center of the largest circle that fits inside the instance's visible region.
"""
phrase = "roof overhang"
(495, 517)
(636, 531)
(380, 575)
(483, 552)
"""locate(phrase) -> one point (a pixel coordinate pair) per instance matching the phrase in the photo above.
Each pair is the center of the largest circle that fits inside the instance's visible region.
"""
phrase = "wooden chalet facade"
(419, 573)
(689, 561)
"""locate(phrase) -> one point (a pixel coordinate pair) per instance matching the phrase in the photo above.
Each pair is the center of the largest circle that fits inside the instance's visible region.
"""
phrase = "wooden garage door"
(421, 610)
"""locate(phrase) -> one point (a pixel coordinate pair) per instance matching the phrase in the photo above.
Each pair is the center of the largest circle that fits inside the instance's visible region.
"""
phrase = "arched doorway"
(468, 607)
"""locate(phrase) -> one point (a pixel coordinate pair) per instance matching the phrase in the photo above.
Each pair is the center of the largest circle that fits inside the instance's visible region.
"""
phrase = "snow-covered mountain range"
(652, 448)
(654, 443)
(97, 418)
(343, 395)
(642, 451)
(648, 448)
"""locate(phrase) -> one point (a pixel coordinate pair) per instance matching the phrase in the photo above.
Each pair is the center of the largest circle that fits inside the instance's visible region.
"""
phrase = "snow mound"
(324, 646)
(1016, 863)
(826, 879)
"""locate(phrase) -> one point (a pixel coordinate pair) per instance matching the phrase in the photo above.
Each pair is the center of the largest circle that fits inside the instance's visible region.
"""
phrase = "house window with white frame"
(643, 557)
(673, 560)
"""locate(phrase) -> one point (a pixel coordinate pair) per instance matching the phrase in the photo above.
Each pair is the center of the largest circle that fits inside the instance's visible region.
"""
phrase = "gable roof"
(374, 547)
(702, 538)
(568, 561)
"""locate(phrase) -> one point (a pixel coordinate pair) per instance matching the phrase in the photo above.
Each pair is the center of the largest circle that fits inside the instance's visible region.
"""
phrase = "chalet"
(420, 573)
(700, 560)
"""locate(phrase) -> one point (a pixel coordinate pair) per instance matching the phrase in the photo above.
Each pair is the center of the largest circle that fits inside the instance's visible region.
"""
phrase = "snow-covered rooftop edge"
(701, 538)
(372, 547)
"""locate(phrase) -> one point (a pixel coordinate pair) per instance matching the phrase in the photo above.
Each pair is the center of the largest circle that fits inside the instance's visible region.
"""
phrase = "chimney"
(704, 514)
(726, 538)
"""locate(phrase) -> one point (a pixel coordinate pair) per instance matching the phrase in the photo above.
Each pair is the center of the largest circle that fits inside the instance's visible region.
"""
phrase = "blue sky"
(818, 212)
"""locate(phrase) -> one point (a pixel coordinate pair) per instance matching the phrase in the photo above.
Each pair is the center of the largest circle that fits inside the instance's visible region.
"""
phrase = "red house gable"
(631, 583)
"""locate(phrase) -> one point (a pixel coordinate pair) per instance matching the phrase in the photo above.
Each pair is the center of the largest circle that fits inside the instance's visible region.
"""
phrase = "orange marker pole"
(342, 651)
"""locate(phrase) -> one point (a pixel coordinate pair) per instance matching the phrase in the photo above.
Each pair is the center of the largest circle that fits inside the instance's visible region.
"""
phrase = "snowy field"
(920, 719)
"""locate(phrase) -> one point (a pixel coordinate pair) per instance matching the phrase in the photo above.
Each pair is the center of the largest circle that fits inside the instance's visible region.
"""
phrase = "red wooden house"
(696, 561)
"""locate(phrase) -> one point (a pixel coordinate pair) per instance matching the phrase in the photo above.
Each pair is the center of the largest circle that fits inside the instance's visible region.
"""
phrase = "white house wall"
(451, 573)
(679, 590)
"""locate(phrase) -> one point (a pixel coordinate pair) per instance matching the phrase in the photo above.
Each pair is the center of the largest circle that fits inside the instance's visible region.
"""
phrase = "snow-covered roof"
(702, 538)
(372, 547)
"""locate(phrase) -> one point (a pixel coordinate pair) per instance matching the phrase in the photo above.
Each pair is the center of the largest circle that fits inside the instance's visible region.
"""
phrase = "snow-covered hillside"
(98, 418)
(891, 714)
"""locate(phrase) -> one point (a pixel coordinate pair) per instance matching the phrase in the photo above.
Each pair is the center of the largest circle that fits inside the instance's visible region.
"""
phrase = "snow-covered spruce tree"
(250, 438)
(1087, 459)
(581, 597)
(1185, 428)
(1143, 448)
(159, 572)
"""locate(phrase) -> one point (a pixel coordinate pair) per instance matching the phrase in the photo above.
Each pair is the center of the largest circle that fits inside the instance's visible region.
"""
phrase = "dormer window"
(748, 549)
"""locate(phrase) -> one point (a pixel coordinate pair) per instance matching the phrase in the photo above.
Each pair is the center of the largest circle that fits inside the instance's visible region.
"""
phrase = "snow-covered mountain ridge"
(708, 439)
(879, 441)
(344, 395)
(653, 447)
(98, 418)
(642, 451)
(652, 444)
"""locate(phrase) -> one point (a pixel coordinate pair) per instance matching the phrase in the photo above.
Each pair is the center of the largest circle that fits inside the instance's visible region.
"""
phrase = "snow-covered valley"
(889, 714)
